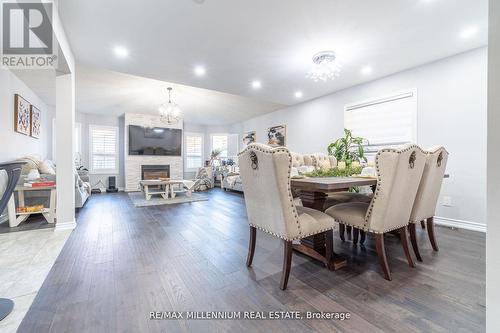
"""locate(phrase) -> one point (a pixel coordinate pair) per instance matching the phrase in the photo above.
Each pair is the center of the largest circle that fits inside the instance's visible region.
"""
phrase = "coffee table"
(166, 188)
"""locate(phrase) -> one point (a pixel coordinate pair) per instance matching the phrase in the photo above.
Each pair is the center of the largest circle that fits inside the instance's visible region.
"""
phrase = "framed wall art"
(276, 135)
(22, 115)
(36, 121)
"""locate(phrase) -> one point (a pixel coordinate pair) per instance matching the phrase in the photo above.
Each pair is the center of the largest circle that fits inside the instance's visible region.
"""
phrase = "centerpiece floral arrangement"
(349, 152)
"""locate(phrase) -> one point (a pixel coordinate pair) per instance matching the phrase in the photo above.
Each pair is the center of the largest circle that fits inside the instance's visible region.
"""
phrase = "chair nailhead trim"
(379, 186)
(256, 147)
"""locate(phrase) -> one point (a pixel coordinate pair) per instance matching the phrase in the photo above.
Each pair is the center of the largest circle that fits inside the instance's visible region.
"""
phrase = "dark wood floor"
(122, 262)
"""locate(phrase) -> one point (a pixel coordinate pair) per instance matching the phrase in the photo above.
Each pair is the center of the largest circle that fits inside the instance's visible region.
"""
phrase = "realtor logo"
(27, 35)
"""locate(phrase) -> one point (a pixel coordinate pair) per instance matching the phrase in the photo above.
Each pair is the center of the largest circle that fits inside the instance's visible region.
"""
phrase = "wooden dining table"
(313, 193)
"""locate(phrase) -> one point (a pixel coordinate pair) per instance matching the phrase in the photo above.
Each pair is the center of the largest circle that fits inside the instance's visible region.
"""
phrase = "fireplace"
(151, 172)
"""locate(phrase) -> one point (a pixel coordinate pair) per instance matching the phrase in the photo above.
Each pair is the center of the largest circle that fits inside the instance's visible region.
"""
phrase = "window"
(227, 143)
(194, 151)
(220, 142)
(385, 121)
(103, 148)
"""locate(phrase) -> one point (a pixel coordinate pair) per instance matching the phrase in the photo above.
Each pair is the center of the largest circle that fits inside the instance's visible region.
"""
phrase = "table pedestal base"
(314, 246)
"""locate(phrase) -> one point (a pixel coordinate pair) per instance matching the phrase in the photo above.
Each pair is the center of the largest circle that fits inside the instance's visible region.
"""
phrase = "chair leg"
(413, 238)
(348, 230)
(341, 231)
(251, 245)
(287, 263)
(355, 235)
(430, 231)
(379, 244)
(422, 224)
(404, 241)
(363, 237)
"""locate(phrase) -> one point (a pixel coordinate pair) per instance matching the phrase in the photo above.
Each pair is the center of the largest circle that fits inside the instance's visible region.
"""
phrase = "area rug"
(139, 200)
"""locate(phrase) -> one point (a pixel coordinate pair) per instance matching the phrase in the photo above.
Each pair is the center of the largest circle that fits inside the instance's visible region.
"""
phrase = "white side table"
(48, 213)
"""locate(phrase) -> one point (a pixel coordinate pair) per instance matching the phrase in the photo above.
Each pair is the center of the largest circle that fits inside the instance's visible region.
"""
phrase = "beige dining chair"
(398, 176)
(427, 196)
(265, 174)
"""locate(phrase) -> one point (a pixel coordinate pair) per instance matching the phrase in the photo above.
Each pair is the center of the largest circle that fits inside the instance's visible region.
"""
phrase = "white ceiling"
(112, 93)
(270, 40)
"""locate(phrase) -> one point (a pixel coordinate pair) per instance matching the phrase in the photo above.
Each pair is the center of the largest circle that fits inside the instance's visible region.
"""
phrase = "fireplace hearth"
(152, 172)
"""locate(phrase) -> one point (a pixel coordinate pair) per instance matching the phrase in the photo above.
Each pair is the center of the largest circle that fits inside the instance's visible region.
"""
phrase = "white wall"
(493, 234)
(451, 112)
(87, 119)
(12, 144)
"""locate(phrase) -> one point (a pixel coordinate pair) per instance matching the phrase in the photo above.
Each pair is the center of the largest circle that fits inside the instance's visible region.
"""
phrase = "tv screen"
(154, 141)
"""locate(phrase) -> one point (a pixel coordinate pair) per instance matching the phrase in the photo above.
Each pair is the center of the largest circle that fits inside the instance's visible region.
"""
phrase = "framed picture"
(249, 137)
(276, 135)
(36, 120)
(22, 123)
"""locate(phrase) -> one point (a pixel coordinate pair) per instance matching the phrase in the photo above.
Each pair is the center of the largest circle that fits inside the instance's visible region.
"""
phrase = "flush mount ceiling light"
(170, 113)
(326, 67)
(256, 84)
(121, 52)
(200, 71)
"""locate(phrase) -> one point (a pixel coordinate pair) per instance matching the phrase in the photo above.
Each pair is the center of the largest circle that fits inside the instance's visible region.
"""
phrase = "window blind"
(104, 148)
(194, 151)
(386, 121)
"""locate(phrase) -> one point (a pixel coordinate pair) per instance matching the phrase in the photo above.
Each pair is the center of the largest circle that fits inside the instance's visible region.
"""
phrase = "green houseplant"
(349, 148)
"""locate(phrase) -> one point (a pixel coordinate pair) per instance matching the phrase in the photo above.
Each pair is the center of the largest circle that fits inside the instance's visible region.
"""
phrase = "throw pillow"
(45, 167)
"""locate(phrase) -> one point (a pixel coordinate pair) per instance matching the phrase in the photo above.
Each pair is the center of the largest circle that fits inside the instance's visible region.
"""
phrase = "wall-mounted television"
(154, 141)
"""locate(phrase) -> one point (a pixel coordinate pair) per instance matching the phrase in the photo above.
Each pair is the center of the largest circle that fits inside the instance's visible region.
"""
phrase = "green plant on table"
(336, 172)
(348, 148)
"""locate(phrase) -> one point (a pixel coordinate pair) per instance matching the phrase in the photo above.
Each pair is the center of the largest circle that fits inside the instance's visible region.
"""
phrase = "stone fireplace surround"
(134, 163)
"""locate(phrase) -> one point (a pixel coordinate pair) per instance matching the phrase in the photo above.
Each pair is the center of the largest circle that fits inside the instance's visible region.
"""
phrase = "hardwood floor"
(123, 262)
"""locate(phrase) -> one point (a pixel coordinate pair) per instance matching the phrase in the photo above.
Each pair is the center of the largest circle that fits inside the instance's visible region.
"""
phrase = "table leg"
(315, 246)
(52, 206)
(11, 207)
(146, 192)
(20, 195)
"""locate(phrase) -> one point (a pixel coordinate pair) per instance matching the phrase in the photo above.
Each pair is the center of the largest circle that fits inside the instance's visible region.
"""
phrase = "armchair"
(265, 174)
(399, 172)
(427, 196)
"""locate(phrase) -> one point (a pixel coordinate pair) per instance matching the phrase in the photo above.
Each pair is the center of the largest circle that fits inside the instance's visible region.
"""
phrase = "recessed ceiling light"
(367, 70)
(256, 84)
(121, 51)
(200, 71)
(298, 94)
(469, 32)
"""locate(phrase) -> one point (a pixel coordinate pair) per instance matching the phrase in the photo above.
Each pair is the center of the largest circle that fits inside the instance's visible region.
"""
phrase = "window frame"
(114, 171)
(186, 155)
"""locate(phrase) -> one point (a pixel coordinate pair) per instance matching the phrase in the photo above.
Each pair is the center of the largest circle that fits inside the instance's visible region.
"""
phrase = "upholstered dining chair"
(398, 176)
(265, 175)
(427, 196)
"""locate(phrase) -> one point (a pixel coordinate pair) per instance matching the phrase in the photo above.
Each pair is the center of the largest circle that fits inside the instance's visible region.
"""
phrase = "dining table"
(313, 193)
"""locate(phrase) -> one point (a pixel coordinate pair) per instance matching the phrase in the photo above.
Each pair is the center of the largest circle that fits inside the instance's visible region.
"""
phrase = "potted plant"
(348, 148)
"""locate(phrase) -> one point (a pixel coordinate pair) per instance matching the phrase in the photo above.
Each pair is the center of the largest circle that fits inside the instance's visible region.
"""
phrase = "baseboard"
(69, 225)
(460, 224)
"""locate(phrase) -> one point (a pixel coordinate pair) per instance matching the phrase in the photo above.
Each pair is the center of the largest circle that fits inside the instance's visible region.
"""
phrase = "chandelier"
(170, 113)
(326, 67)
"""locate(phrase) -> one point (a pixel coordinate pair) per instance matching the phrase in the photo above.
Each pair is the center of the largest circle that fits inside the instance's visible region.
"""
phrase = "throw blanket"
(202, 182)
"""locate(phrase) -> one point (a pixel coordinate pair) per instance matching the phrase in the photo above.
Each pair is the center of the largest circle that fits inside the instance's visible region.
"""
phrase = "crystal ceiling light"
(170, 113)
(326, 67)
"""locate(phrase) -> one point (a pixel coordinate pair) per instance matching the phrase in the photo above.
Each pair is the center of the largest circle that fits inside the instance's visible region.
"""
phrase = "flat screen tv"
(154, 141)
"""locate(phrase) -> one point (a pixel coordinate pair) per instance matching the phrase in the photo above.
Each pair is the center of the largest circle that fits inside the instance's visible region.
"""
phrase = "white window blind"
(194, 150)
(104, 149)
(385, 121)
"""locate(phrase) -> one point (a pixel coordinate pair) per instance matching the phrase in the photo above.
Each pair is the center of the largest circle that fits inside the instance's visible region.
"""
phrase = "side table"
(16, 218)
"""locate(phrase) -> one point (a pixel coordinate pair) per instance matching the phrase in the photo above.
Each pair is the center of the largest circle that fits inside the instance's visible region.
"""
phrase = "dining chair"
(398, 176)
(265, 174)
(427, 196)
